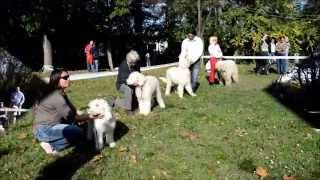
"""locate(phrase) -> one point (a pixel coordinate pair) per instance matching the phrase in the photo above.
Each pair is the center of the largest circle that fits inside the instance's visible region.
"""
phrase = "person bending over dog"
(192, 47)
(56, 118)
(126, 67)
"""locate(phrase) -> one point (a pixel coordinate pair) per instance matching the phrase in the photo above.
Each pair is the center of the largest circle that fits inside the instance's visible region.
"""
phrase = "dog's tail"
(163, 79)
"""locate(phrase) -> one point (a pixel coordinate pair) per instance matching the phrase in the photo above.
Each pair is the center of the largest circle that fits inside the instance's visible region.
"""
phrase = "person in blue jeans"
(95, 53)
(191, 50)
(56, 120)
(282, 50)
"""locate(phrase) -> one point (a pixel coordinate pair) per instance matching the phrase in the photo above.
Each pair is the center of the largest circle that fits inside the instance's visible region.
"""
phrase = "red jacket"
(89, 53)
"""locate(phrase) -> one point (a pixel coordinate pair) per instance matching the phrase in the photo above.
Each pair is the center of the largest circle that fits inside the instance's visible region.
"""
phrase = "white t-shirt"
(215, 50)
(192, 48)
(273, 47)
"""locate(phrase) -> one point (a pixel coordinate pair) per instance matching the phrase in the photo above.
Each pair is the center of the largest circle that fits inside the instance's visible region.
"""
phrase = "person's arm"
(183, 47)
(84, 117)
(22, 99)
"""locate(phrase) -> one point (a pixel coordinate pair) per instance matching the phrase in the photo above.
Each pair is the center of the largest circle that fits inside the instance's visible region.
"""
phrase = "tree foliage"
(241, 24)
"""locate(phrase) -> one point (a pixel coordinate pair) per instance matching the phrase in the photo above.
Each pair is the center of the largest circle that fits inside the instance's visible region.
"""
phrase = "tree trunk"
(109, 54)
(47, 55)
(199, 18)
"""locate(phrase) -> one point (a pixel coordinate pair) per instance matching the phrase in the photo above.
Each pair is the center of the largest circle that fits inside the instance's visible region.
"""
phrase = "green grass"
(223, 133)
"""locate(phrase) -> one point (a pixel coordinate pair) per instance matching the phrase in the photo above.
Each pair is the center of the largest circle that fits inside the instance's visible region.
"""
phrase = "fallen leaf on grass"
(190, 135)
(211, 172)
(97, 158)
(123, 149)
(22, 136)
(260, 171)
(285, 177)
(133, 158)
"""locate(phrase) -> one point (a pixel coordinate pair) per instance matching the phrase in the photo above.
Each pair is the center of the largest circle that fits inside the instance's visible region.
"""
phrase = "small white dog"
(103, 125)
(145, 88)
(180, 76)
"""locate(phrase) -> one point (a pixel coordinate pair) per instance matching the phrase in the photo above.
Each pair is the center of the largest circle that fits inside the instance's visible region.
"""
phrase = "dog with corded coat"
(180, 76)
(145, 88)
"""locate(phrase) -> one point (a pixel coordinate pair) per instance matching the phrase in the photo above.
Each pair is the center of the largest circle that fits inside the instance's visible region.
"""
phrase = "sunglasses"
(65, 77)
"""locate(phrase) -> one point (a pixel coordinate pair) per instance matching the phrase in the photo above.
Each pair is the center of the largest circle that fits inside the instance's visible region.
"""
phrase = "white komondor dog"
(227, 71)
(145, 88)
(180, 76)
(103, 125)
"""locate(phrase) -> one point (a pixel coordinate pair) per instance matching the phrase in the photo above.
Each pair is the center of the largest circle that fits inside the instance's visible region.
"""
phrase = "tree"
(241, 24)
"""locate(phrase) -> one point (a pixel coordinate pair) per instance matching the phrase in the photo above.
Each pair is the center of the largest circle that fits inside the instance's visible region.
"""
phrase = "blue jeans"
(195, 69)
(60, 136)
(282, 64)
(95, 65)
(90, 67)
(127, 100)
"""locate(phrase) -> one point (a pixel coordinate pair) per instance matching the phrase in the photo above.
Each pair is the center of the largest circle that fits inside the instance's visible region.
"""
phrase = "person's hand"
(96, 116)
(79, 112)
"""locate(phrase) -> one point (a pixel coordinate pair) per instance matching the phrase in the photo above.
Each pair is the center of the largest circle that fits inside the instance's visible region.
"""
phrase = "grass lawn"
(223, 133)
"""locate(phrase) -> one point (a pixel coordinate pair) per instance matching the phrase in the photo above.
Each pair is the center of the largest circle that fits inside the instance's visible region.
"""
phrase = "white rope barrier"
(259, 57)
(6, 109)
(92, 75)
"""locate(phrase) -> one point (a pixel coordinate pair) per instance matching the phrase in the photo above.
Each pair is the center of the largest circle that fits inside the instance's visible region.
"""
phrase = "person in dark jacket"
(126, 67)
(95, 53)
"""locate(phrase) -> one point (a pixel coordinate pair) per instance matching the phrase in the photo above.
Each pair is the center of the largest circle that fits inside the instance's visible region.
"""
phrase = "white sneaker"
(47, 148)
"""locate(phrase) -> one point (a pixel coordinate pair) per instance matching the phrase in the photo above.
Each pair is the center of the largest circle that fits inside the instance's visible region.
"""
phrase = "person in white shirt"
(273, 47)
(263, 65)
(214, 48)
(192, 49)
(17, 99)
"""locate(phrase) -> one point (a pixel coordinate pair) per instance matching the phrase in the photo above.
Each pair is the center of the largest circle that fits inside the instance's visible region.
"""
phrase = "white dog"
(103, 125)
(146, 87)
(227, 71)
(180, 76)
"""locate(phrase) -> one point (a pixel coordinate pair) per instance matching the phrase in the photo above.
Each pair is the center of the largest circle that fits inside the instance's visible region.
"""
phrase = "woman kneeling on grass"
(56, 119)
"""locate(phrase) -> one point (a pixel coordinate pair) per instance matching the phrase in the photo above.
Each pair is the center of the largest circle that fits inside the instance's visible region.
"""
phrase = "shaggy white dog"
(146, 87)
(103, 125)
(227, 71)
(180, 76)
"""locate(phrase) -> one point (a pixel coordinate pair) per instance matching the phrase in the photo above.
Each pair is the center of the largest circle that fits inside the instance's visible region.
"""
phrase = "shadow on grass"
(120, 131)
(65, 167)
(4, 152)
(299, 101)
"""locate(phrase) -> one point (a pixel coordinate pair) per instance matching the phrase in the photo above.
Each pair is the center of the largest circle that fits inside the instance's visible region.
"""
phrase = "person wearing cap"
(129, 65)
(191, 51)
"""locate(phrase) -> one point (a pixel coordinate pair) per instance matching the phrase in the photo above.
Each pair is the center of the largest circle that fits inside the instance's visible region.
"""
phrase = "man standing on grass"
(191, 50)
(17, 99)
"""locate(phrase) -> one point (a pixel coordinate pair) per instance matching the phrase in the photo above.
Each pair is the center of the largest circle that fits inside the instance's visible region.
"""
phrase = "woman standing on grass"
(282, 48)
(56, 120)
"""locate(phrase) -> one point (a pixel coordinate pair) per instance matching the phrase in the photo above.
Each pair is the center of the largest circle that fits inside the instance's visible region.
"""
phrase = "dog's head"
(184, 61)
(98, 107)
(136, 79)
